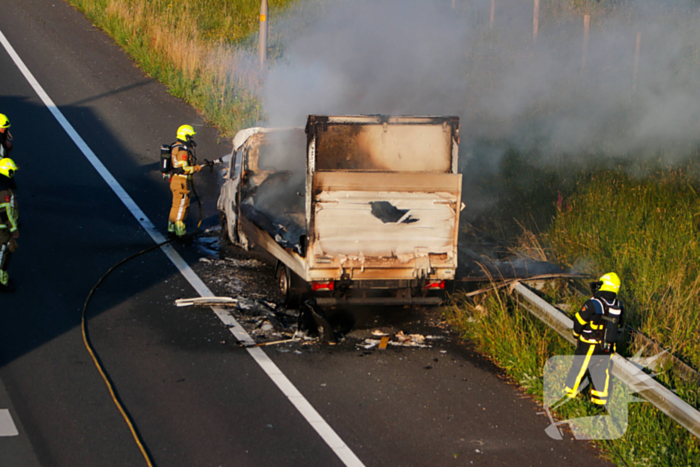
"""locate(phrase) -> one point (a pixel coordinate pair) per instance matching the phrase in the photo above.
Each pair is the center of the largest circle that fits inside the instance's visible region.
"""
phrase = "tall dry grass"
(204, 52)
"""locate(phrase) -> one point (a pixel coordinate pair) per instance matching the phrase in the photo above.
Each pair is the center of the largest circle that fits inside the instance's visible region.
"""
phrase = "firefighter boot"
(5, 282)
(171, 229)
(180, 229)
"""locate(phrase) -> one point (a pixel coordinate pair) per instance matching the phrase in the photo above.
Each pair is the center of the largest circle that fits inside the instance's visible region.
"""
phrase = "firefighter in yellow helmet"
(5, 136)
(183, 166)
(9, 216)
(596, 328)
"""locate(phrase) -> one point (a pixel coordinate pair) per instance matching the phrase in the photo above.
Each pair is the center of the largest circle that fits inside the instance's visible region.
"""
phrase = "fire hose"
(211, 164)
(86, 338)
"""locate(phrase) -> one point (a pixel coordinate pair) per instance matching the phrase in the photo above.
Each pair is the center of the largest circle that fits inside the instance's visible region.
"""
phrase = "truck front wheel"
(223, 222)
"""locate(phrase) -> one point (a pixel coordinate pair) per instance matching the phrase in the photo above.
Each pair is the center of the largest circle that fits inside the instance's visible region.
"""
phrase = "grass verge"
(202, 51)
(646, 229)
(521, 345)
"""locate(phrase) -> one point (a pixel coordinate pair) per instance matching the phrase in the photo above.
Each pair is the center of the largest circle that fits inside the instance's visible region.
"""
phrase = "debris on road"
(383, 342)
(262, 344)
(206, 301)
(410, 339)
(400, 340)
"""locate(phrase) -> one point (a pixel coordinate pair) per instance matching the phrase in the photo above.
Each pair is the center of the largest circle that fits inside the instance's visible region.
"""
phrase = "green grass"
(647, 231)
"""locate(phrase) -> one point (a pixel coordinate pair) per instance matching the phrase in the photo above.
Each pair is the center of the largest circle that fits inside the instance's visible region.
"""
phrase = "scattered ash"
(247, 276)
(265, 320)
(232, 272)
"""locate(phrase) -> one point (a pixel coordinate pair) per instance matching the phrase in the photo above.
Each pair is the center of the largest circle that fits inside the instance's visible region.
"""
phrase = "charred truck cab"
(356, 209)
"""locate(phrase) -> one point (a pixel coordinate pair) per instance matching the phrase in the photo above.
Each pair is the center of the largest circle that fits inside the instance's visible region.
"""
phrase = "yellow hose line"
(91, 351)
(134, 434)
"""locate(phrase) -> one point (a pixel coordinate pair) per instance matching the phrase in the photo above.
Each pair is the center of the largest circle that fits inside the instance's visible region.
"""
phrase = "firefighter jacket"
(5, 143)
(183, 161)
(591, 321)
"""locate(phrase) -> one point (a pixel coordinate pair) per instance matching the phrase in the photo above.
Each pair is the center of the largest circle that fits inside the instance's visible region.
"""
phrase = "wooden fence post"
(535, 20)
(636, 60)
(262, 41)
(586, 27)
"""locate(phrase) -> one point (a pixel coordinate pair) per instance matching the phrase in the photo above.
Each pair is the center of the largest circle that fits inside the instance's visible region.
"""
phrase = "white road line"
(7, 425)
(288, 389)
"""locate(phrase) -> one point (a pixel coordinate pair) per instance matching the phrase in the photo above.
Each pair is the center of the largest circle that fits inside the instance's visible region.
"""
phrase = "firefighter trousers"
(179, 185)
(8, 245)
(591, 364)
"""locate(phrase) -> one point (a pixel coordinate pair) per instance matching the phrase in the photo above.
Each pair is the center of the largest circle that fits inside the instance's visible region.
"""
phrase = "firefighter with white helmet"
(183, 166)
(596, 328)
(9, 216)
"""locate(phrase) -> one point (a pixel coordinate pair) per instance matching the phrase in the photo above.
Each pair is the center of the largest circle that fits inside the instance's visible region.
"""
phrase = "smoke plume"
(557, 95)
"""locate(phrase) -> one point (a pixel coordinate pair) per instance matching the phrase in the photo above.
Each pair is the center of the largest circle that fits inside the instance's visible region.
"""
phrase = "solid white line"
(7, 425)
(288, 389)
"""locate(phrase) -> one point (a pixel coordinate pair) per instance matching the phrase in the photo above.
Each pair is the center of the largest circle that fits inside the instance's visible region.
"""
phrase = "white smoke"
(510, 91)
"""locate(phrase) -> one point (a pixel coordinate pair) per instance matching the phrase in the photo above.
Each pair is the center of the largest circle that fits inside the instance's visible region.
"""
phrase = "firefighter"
(8, 220)
(596, 328)
(183, 166)
(5, 136)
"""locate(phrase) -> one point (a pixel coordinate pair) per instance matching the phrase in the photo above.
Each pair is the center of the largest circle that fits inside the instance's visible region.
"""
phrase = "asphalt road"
(197, 398)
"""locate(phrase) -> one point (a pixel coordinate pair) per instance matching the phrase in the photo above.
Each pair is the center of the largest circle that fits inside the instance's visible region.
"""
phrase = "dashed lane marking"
(324, 430)
(7, 425)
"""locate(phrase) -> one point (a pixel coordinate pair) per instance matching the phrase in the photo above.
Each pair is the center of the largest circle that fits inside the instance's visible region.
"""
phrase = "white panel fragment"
(7, 425)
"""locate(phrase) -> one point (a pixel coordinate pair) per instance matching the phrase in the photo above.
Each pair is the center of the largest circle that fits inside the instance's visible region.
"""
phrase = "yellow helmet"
(7, 167)
(184, 131)
(4, 121)
(611, 282)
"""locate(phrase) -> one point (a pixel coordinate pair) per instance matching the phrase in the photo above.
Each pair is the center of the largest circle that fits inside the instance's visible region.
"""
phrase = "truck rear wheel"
(288, 291)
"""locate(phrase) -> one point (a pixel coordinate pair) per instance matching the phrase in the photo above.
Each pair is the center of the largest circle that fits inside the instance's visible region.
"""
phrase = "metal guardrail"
(629, 373)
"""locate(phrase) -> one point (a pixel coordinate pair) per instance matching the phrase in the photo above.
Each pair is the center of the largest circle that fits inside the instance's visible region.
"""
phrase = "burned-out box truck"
(355, 209)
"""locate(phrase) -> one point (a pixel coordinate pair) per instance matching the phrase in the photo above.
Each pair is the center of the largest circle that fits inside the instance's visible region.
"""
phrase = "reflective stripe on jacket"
(182, 160)
(8, 212)
(588, 322)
